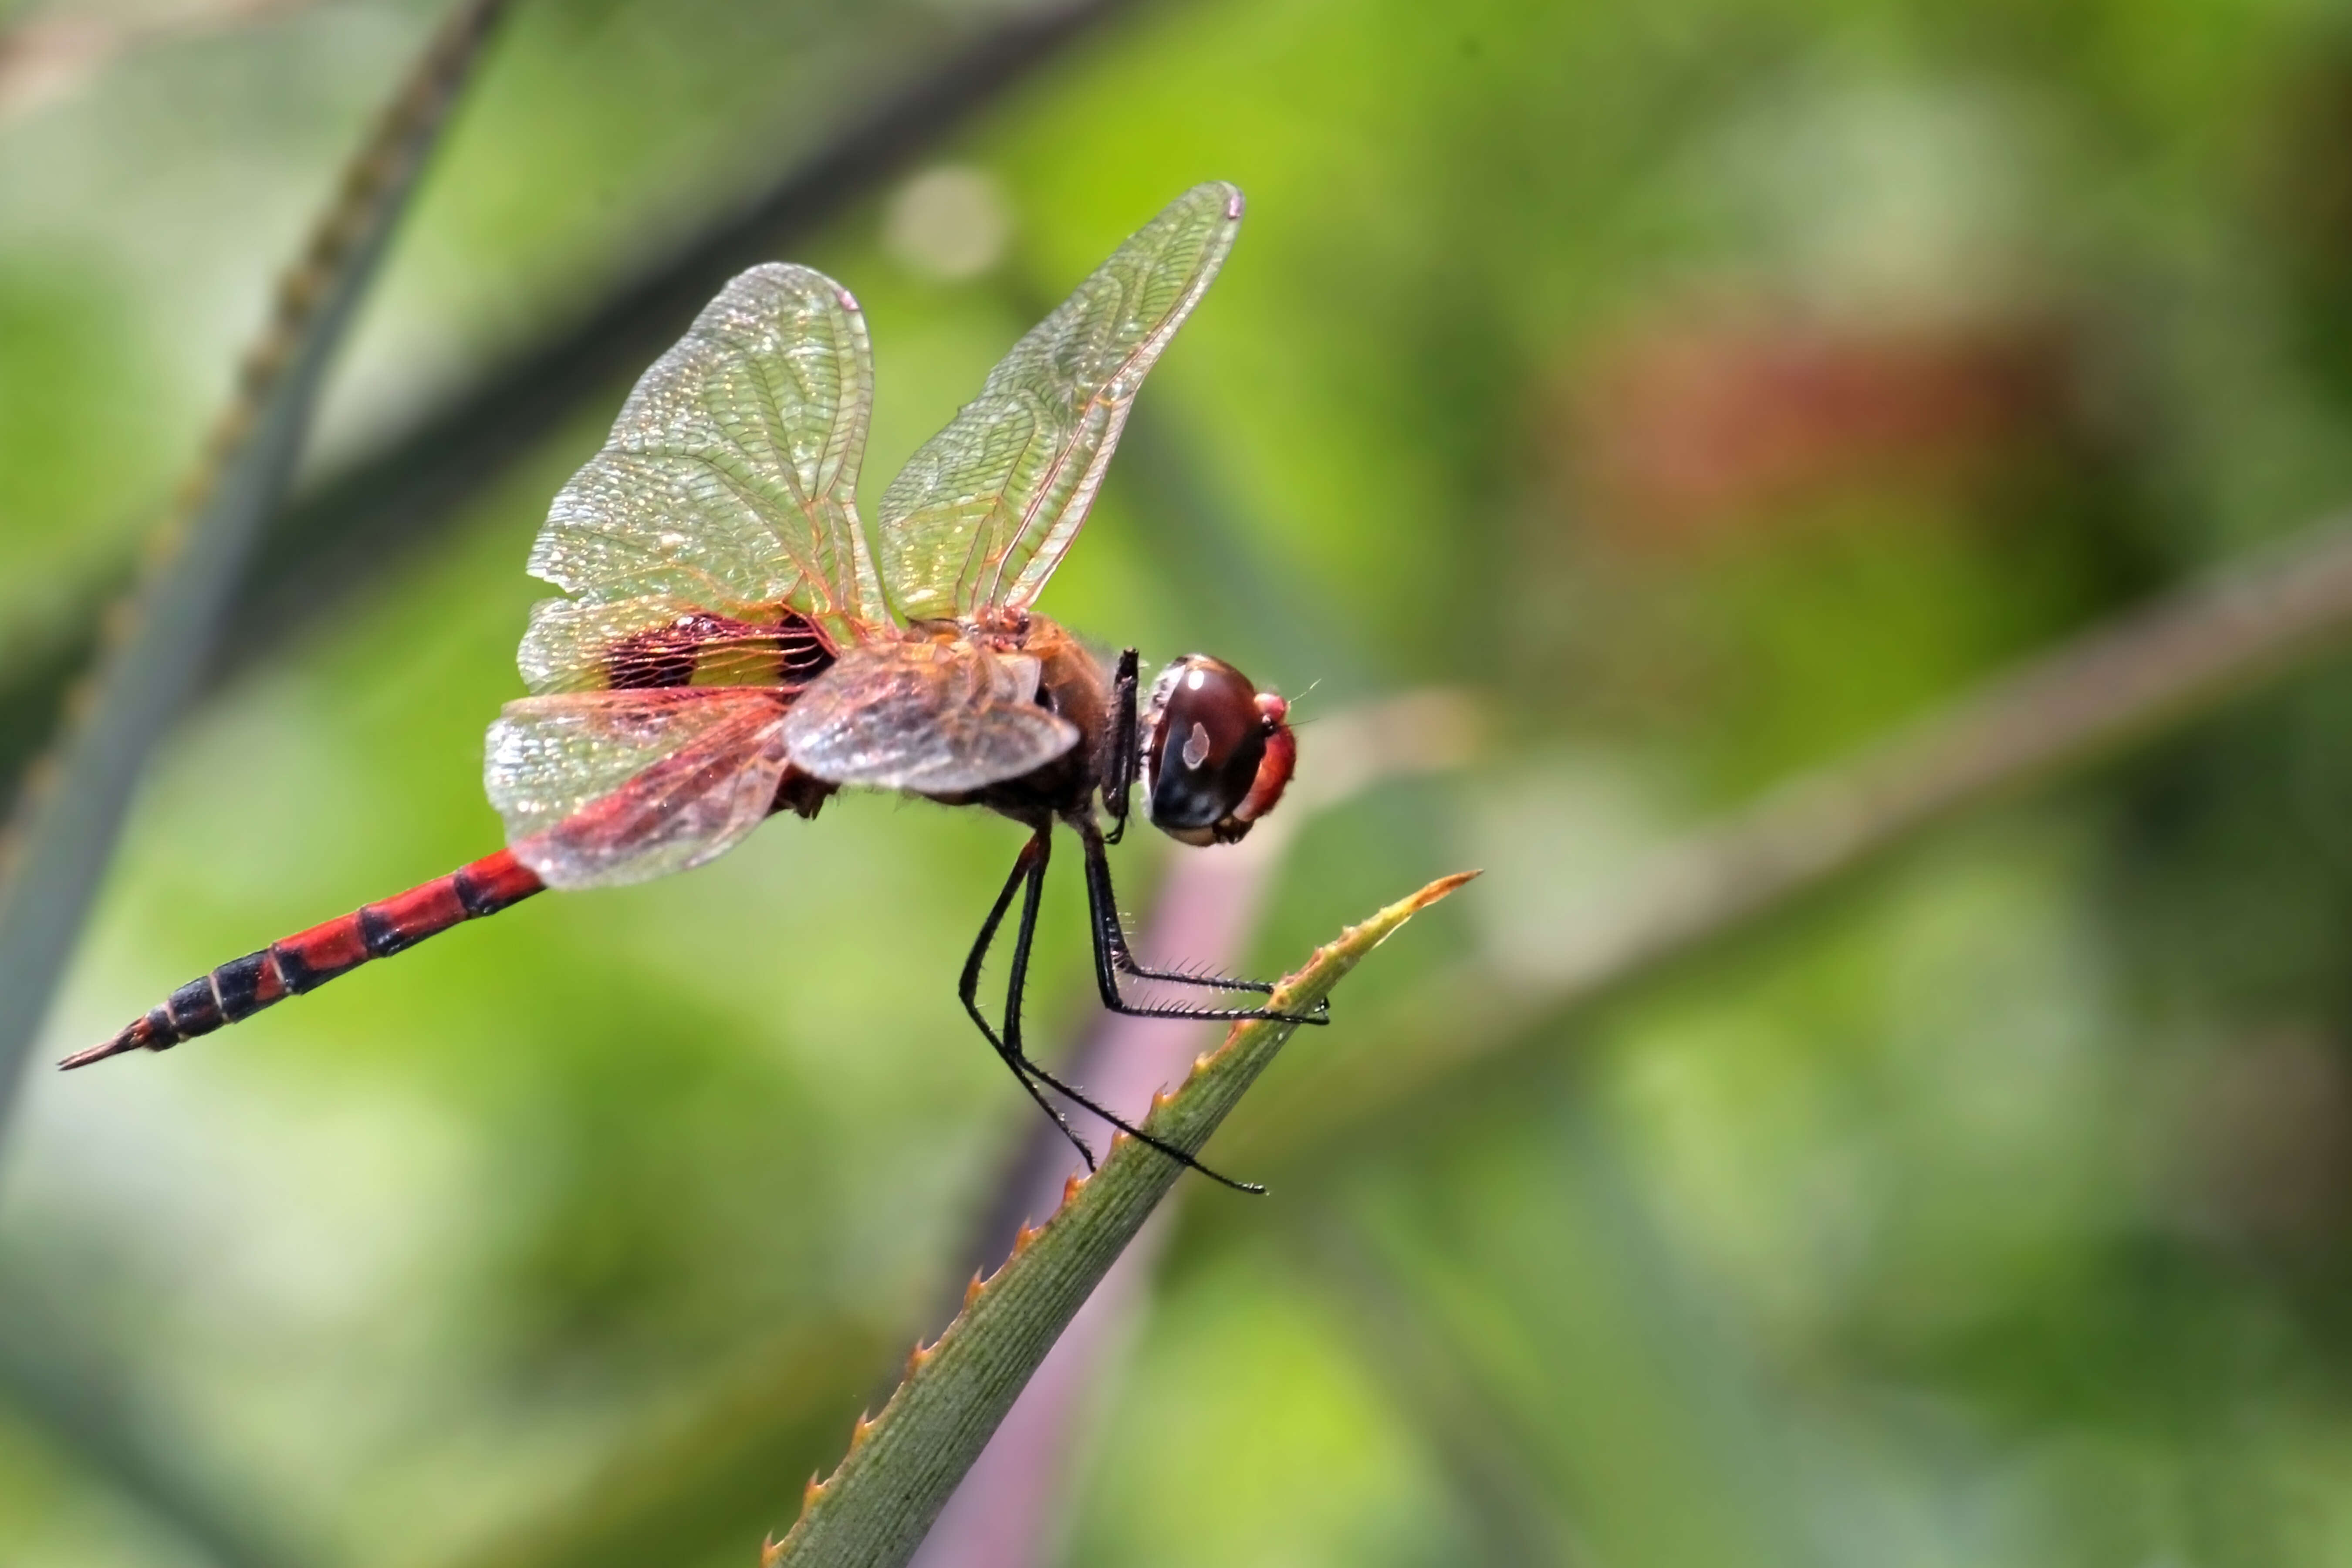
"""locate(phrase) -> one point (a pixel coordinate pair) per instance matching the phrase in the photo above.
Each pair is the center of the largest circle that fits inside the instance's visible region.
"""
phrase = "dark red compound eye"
(1217, 752)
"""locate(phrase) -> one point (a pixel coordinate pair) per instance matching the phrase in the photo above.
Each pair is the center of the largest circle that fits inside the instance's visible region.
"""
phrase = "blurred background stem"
(154, 643)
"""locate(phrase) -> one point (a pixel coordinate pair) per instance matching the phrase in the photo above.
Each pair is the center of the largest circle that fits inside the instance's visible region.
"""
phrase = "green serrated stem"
(904, 1463)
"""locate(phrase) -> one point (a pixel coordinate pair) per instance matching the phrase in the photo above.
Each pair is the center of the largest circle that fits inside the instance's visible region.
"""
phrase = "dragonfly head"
(1217, 753)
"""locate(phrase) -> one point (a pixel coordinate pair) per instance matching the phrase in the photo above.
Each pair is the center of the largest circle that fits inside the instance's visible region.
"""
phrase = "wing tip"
(791, 275)
(1225, 192)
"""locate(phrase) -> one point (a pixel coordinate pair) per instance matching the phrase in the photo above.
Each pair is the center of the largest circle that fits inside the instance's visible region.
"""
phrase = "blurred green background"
(1705, 386)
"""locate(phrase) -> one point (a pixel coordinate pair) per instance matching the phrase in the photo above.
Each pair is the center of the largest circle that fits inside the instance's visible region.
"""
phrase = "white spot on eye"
(1196, 746)
(1197, 680)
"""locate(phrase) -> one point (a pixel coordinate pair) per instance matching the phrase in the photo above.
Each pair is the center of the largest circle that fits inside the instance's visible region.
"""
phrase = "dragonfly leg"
(1029, 875)
(1122, 754)
(968, 987)
(1113, 958)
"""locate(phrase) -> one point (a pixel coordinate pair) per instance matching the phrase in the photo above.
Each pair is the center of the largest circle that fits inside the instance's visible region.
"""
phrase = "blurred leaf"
(1532, 1284)
(700, 1487)
(2155, 666)
(87, 1407)
(1498, 1489)
(70, 815)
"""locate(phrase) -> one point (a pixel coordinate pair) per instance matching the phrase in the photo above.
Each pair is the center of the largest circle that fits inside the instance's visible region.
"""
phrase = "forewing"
(729, 478)
(604, 787)
(931, 716)
(984, 511)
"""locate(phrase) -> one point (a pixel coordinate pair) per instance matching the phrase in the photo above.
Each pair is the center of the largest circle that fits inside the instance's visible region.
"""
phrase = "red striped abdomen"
(292, 965)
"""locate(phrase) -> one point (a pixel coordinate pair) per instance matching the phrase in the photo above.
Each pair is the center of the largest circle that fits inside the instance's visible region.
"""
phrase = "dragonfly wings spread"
(986, 510)
(605, 787)
(715, 564)
(935, 718)
(729, 482)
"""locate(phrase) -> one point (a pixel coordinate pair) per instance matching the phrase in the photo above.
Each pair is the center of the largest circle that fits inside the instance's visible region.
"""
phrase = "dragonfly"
(730, 644)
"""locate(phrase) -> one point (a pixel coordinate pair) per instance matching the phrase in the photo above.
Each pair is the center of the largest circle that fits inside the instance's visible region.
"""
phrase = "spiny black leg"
(967, 988)
(1123, 959)
(1111, 956)
(1113, 937)
(1122, 751)
(1017, 981)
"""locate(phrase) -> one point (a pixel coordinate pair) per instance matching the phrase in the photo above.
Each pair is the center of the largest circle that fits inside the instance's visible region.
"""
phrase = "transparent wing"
(604, 787)
(729, 478)
(986, 510)
(935, 718)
